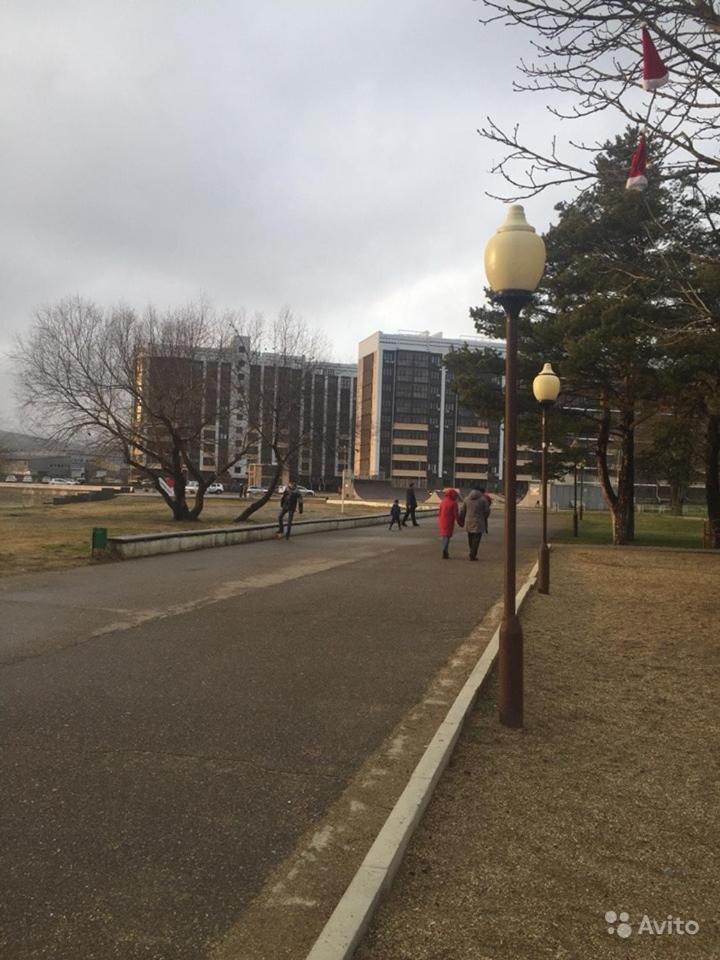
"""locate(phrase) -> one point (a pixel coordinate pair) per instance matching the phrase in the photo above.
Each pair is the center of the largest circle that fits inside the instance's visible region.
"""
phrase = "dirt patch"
(607, 801)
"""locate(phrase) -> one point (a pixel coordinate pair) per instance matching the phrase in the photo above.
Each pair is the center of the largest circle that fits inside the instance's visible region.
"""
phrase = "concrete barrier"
(151, 544)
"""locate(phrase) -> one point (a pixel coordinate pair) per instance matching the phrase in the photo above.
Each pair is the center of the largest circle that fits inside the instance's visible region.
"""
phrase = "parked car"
(256, 491)
(305, 491)
(11, 478)
(60, 481)
(191, 487)
(215, 488)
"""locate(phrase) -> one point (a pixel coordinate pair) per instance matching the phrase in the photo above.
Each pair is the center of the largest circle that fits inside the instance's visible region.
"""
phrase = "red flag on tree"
(638, 165)
(655, 73)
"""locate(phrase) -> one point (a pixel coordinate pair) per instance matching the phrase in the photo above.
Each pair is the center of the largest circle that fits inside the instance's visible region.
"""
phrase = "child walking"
(395, 514)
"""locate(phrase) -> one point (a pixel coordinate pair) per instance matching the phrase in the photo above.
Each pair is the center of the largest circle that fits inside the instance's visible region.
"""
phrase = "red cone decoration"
(638, 165)
(655, 73)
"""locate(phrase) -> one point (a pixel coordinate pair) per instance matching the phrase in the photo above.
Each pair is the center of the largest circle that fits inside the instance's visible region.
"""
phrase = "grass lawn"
(603, 802)
(40, 536)
(651, 530)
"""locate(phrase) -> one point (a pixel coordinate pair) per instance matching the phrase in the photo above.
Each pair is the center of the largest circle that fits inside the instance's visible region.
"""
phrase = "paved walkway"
(174, 728)
(607, 801)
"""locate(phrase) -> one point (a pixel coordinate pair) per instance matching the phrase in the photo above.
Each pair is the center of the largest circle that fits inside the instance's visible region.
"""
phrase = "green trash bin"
(99, 540)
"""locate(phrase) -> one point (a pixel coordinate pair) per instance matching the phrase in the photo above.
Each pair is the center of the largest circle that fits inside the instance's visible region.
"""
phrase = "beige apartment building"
(409, 424)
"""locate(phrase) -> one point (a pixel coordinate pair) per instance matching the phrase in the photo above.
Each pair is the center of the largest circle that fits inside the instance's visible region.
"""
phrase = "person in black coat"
(394, 514)
(290, 501)
(410, 505)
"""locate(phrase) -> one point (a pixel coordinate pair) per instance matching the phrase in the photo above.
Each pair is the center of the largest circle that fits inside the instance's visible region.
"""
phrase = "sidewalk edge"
(351, 917)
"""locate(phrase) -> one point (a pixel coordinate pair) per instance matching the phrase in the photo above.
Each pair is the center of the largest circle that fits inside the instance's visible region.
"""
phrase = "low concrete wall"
(151, 544)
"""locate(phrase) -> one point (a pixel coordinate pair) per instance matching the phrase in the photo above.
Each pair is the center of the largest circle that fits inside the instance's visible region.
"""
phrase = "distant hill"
(17, 442)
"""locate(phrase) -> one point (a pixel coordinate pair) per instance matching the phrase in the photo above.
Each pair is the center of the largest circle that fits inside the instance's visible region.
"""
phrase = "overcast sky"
(320, 154)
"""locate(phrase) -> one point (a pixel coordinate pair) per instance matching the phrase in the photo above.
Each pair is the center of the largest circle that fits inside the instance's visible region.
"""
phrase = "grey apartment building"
(321, 430)
(409, 424)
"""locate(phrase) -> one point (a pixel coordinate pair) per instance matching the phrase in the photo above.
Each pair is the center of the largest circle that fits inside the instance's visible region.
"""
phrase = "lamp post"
(575, 495)
(582, 488)
(514, 264)
(546, 387)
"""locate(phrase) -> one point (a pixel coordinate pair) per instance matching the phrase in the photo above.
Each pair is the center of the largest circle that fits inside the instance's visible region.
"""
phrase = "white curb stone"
(351, 917)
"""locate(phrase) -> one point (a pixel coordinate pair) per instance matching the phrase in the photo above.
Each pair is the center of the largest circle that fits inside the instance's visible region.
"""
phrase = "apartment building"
(222, 395)
(320, 416)
(410, 425)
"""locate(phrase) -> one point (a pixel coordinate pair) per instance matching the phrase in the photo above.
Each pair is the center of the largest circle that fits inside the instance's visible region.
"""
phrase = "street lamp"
(573, 447)
(514, 264)
(546, 387)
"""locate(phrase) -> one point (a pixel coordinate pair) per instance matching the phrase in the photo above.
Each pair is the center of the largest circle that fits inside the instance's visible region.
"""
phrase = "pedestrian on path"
(410, 505)
(475, 511)
(487, 496)
(448, 516)
(395, 514)
(290, 501)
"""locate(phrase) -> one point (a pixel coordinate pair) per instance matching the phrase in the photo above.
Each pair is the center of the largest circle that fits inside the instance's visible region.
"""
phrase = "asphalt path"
(172, 725)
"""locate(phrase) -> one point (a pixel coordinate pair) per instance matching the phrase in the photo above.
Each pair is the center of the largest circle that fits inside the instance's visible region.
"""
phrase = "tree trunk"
(712, 478)
(622, 503)
(624, 517)
(257, 504)
(677, 489)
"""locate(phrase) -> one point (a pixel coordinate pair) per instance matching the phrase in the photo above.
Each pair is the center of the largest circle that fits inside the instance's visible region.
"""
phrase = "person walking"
(474, 512)
(410, 505)
(488, 498)
(290, 501)
(448, 516)
(395, 515)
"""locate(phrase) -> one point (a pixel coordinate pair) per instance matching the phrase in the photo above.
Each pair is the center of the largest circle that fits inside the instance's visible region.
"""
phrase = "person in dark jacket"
(410, 505)
(474, 512)
(290, 501)
(395, 514)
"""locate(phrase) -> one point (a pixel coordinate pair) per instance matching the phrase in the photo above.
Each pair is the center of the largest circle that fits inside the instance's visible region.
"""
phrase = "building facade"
(320, 434)
(409, 423)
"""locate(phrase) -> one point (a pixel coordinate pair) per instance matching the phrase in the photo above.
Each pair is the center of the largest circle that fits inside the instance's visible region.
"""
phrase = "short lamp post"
(546, 387)
(514, 264)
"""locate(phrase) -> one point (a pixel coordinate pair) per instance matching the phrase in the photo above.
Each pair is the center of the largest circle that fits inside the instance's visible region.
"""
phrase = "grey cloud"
(319, 154)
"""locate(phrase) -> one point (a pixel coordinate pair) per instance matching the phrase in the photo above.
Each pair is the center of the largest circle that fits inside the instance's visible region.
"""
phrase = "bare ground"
(607, 801)
(37, 535)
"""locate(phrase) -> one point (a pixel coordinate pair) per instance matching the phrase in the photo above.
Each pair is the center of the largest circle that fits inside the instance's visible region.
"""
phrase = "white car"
(191, 487)
(303, 491)
(60, 481)
(215, 488)
(11, 478)
(256, 491)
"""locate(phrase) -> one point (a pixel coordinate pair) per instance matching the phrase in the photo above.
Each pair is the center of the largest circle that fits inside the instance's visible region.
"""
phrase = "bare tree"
(147, 386)
(587, 55)
(286, 354)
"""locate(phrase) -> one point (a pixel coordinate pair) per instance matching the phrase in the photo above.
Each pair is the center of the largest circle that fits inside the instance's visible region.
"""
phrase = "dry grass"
(39, 536)
(609, 798)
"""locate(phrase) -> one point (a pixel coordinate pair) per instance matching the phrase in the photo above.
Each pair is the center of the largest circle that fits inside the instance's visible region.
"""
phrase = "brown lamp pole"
(575, 495)
(546, 387)
(514, 264)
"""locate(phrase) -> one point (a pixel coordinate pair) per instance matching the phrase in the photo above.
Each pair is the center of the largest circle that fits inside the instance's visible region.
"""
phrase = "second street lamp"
(546, 387)
(514, 264)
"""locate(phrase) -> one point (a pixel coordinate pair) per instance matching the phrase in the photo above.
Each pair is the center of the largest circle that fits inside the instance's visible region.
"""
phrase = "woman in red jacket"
(448, 516)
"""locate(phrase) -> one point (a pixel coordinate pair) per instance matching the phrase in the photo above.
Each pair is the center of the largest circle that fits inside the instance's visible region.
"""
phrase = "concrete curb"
(131, 547)
(351, 917)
